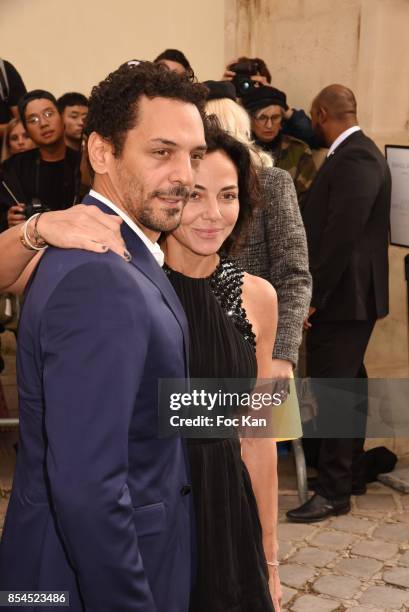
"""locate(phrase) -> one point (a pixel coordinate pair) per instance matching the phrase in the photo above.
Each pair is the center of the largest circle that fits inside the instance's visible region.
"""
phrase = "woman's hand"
(83, 227)
(275, 587)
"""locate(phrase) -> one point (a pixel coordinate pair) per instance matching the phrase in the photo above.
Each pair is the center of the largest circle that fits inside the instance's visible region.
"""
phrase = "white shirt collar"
(341, 138)
(153, 247)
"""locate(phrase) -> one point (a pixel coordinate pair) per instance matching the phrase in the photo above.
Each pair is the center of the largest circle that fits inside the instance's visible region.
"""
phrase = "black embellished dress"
(232, 573)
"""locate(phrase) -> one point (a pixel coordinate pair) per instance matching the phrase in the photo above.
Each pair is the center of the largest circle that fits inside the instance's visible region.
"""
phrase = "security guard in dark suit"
(346, 217)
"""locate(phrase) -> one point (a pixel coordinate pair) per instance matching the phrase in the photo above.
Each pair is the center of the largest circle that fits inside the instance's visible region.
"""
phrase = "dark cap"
(260, 97)
(220, 89)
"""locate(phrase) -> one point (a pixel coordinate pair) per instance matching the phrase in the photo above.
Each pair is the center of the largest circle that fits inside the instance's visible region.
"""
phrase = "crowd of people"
(218, 185)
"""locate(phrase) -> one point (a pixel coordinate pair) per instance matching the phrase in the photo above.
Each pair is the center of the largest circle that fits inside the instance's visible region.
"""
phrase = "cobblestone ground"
(356, 563)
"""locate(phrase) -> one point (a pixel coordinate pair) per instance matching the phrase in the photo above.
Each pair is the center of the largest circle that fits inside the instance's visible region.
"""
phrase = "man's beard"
(141, 210)
(319, 136)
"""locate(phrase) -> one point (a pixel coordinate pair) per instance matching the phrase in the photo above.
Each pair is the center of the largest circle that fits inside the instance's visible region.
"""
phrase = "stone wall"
(71, 46)
(362, 44)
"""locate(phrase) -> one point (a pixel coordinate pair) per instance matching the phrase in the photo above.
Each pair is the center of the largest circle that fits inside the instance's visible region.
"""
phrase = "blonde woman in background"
(15, 140)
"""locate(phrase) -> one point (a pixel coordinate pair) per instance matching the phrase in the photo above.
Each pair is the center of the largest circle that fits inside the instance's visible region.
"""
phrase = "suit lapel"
(144, 261)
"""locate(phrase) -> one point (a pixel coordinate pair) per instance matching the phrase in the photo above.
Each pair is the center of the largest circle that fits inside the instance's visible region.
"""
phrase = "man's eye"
(197, 156)
(162, 152)
(195, 195)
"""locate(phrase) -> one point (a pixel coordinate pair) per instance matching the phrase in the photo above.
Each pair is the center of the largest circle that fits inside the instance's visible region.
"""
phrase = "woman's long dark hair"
(249, 187)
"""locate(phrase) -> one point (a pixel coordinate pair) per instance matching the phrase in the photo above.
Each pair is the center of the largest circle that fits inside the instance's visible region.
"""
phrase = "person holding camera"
(247, 73)
(46, 178)
(266, 107)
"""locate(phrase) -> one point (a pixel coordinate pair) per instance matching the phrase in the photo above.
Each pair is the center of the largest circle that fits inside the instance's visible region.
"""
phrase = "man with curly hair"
(100, 505)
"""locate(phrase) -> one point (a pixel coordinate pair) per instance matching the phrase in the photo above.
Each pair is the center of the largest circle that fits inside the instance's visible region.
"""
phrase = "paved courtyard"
(357, 563)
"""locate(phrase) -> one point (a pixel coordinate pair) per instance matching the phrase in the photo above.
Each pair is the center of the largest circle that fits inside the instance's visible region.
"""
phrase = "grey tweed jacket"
(276, 249)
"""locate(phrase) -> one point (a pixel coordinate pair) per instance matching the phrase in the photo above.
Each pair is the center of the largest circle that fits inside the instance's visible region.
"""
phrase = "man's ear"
(100, 153)
(322, 114)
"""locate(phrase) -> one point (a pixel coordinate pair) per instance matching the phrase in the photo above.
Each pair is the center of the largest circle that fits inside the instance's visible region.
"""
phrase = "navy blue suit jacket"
(97, 506)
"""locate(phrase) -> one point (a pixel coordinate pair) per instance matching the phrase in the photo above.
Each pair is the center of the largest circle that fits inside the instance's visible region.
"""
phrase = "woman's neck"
(183, 260)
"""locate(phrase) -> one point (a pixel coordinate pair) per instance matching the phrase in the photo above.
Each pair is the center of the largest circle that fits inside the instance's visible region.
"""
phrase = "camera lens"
(245, 86)
(242, 84)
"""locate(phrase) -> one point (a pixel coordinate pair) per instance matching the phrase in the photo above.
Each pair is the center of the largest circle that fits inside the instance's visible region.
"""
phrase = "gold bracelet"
(25, 239)
(38, 239)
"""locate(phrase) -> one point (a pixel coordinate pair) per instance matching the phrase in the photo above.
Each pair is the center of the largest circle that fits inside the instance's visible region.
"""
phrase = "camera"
(35, 206)
(242, 80)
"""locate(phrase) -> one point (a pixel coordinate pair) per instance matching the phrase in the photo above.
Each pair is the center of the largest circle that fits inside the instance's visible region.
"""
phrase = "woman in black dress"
(232, 321)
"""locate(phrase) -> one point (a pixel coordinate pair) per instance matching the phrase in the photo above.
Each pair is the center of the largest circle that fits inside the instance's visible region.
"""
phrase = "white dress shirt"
(153, 247)
(341, 138)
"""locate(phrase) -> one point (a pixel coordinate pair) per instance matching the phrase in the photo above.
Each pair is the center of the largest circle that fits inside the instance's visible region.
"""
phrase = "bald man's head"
(333, 111)
(338, 101)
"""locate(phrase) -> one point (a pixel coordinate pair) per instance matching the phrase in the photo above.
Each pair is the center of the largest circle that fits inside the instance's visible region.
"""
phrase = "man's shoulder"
(361, 153)
(58, 265)
(20, 160)
(74, 274)
(359, 142)
(63, 261)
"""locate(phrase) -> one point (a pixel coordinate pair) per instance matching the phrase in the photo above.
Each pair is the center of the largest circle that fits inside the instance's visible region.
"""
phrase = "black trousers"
(336, 350)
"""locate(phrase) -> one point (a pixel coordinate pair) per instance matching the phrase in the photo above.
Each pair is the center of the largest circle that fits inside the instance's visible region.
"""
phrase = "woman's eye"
(229, 196)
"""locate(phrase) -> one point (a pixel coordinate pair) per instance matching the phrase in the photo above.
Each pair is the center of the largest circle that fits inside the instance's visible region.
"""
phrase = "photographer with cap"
(47, 178)
(247, 73)
(266, 107)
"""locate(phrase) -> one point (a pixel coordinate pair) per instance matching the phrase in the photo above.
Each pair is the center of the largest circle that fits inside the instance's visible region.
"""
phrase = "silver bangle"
(27, 240)
(273, 563)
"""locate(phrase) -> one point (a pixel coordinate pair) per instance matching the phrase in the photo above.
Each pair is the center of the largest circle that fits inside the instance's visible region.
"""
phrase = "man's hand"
(83, 227)
(307, 323)
(15, 215)
(228, 75)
